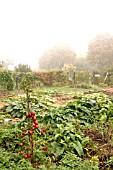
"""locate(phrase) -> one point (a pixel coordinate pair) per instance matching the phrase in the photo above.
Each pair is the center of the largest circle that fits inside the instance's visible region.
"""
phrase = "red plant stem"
(31, 147)
(30, 136)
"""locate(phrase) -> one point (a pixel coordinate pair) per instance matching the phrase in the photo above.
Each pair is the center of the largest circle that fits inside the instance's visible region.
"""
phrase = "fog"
(29, 27)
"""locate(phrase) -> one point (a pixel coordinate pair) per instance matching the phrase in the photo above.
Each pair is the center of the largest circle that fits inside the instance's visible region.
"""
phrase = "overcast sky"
(28, 27)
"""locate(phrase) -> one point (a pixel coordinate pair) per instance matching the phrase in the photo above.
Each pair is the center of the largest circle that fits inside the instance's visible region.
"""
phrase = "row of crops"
(77, 136)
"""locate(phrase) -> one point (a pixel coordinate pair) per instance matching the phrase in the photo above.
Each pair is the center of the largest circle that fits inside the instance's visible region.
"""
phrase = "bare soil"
(4, 95)
(1, 104)
(104, 150)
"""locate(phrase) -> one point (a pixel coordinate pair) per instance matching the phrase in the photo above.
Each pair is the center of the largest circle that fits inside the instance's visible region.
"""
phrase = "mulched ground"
(1, 104)
(61, 100)
(108, 91)
(104, 150)
(3, 95)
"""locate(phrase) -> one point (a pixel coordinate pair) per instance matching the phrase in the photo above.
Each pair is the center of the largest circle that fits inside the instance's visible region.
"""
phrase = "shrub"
(12, 161)
(7, 82)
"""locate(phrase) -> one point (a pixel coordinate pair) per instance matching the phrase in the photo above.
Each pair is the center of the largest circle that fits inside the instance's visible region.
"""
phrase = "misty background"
(28, 29)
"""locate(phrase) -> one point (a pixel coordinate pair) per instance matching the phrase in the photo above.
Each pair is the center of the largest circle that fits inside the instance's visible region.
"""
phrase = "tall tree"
(57, 57)
(100, 51)
(22, 68)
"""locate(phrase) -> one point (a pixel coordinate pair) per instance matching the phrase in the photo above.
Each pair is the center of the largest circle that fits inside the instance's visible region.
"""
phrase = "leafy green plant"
(29, 123)
(109, 163)
(12, 161)
(9, 137)
(17, 107)
(71, 161)
(60, 137)
(6, 80)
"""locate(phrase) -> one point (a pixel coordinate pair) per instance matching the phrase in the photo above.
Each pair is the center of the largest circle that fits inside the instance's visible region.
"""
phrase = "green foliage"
(47, 77)
(29, 79)
(83, 77)
(18, 108)
(6, 80)
(87, 86)
(12, 161)
(9, 137)
(88, 109)
(71, 161)
(26, 82)
(109, 162)
(63, 123)
(22, 68)
(34, 79)
(60, 79)
(53, 78)
(50, 77)
(67, 145)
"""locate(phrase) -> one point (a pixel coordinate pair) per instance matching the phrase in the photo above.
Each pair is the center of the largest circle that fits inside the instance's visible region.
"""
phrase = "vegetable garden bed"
(77, 134)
